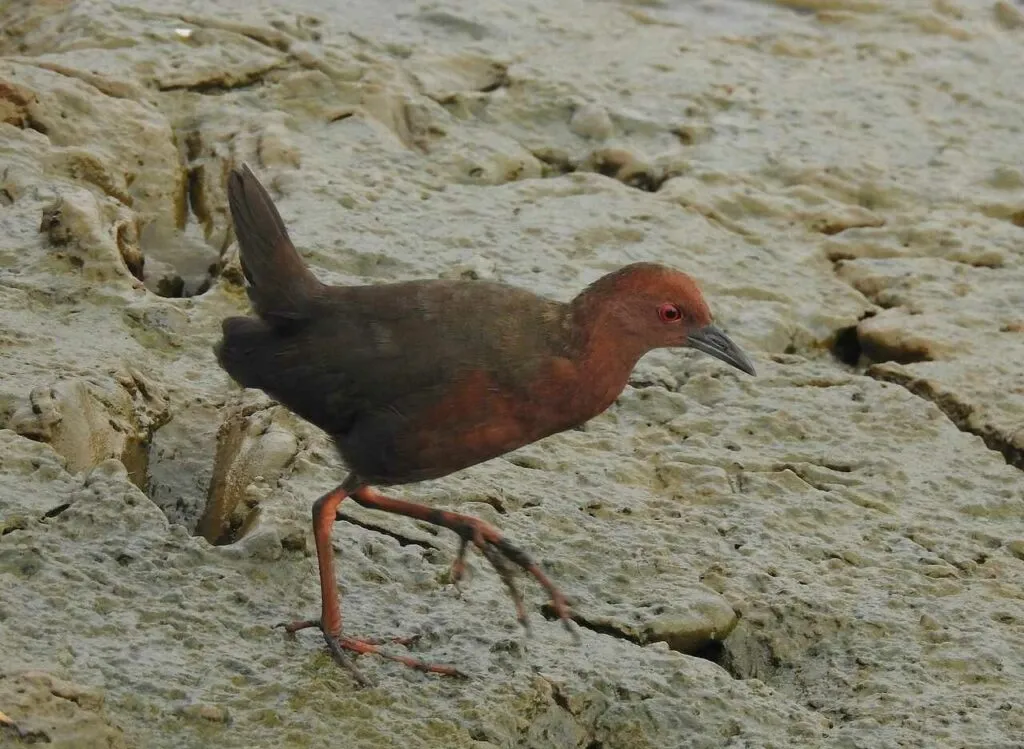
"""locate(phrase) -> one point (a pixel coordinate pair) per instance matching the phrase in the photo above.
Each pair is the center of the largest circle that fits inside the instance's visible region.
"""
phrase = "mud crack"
(708, 649)
(855, 350)
(224, 81)
(956, 410)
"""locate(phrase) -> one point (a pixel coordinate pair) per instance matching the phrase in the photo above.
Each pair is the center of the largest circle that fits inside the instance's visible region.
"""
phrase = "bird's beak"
(711, 340)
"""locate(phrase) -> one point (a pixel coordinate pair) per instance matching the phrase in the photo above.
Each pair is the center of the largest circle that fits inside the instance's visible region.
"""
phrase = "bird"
(415, 380)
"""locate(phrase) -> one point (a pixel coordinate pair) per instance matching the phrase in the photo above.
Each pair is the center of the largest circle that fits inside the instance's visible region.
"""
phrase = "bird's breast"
(484, 415)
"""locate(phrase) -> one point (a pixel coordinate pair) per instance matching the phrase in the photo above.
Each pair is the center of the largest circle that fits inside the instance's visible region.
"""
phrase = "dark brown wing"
(390, 352)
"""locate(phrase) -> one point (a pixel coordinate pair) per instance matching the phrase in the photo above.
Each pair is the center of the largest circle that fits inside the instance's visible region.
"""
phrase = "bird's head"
(645, 306)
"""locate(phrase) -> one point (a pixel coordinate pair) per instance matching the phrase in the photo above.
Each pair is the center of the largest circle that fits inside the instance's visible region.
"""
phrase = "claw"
(338, 644)
(492, 544)
(458, 568)
(506, 574)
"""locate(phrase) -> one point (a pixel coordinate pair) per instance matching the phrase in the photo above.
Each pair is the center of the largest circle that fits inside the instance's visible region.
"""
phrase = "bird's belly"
(429, 448)
(470, 426)
(461, 443)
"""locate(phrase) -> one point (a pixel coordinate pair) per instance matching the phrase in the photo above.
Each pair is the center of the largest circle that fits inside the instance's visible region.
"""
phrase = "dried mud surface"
(829, 555)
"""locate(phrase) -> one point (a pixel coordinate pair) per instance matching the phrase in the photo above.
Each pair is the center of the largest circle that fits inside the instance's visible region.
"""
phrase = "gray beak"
(711, 340)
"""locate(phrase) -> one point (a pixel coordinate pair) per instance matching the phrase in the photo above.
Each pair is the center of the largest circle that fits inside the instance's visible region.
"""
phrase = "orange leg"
(324, 511)
(498, 551)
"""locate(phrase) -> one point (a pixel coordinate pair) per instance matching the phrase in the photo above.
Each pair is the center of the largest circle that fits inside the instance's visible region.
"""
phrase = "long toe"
(506, 573)
(366, 647)
(502, 553)
(339, 644)
(294, 626)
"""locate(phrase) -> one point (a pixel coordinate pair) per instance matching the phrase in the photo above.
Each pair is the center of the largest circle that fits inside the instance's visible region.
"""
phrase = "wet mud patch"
(178, 263)
(181, 462)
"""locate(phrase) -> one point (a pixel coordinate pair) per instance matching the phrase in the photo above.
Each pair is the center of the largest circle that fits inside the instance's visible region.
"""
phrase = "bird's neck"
(604, 351)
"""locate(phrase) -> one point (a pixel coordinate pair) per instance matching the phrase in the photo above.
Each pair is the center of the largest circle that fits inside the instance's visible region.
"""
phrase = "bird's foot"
(504, 556)
(338, 644)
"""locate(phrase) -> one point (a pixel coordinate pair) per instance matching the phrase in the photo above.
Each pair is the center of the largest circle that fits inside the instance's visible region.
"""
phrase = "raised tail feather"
(281, 287)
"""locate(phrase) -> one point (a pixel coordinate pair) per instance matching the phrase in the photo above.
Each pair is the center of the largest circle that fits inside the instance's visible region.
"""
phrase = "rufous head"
(647, 306)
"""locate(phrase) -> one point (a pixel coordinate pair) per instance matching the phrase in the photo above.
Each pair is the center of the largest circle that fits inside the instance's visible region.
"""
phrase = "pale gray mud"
(829, 555)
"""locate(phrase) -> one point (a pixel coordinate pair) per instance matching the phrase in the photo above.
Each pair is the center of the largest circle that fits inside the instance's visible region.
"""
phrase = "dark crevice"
(33, 124)
(609, 162)
(233, 529)
(494, 85)
(846, 347)
(712, 650)
(196, 193)
(879, 351)
(55, 511)
(496, 503)
(135, 458)
(556, 162)
(402, 539)
(560, 699)
(602, 628)
(624, 167)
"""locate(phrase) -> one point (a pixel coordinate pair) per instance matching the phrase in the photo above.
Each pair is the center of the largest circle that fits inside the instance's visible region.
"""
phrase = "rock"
(89, 423)
(252, 445)
(443, 77)
(706, 619)
(61, 714)
(592, 121)
(78, 225)
(1008, 15)
(122, 148)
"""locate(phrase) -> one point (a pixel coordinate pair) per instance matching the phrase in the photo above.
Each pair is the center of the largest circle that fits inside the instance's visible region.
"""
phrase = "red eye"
(669, 312)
